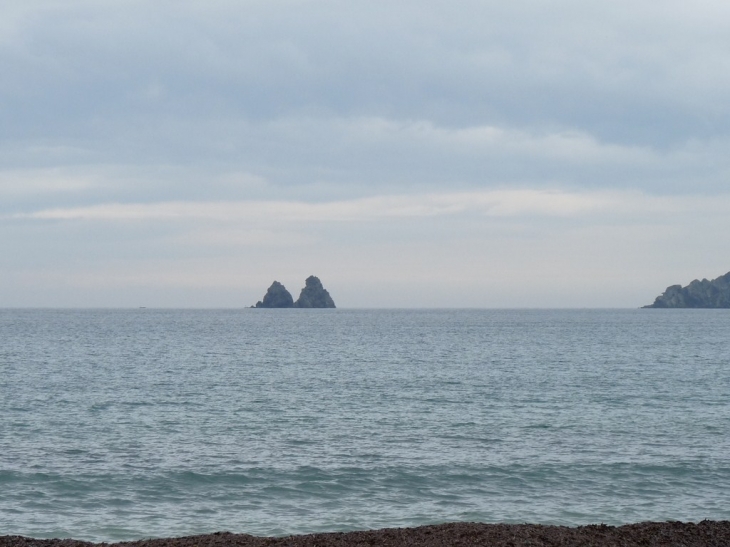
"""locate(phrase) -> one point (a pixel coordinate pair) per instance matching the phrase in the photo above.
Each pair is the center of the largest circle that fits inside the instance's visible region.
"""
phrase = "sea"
(139, 423)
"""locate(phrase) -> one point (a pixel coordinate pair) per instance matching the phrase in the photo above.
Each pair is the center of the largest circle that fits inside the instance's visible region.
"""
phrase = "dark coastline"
(705, 533)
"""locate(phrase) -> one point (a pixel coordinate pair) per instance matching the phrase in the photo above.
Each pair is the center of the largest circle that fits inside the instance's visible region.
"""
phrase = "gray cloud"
(130, 105)
(614, 70)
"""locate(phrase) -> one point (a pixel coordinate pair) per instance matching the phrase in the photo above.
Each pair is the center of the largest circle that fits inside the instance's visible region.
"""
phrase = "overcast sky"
(421, 153)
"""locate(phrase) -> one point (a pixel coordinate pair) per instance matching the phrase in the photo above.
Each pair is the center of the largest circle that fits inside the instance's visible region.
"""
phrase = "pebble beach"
(648, 534)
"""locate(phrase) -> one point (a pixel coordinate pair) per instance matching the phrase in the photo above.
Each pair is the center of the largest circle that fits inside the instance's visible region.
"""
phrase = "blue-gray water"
(124, 424)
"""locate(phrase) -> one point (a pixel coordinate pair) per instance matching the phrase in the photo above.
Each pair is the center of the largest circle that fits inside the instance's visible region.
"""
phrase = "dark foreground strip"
(676, 534)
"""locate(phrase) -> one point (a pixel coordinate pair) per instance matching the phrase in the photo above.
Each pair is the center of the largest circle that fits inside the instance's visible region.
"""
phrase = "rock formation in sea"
(314, 295)
(698, 294)
(276, 297)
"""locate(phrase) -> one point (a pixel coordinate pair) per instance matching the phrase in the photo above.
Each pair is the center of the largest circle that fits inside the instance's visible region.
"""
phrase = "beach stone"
(456, 534)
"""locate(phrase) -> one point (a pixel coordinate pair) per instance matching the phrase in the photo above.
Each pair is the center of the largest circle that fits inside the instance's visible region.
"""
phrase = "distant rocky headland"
(313, 295)
(698, 294)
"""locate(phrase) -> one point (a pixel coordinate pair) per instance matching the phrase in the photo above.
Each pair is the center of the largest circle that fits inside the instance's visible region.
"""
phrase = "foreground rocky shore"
(648, 534)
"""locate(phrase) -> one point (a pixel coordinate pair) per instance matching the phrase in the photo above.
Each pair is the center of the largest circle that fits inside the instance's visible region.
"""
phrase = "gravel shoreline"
(704, 534)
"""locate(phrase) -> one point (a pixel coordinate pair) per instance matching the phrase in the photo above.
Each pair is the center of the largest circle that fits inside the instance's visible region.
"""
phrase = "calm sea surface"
(124, 424)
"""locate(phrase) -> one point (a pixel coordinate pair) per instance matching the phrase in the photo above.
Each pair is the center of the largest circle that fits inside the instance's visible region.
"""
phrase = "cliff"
(314, 295)
(698, 294)
(276, 297)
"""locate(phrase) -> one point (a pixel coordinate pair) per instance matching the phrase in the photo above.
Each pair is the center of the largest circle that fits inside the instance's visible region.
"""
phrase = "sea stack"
(698, 294)
(276, 297)
(314, 295)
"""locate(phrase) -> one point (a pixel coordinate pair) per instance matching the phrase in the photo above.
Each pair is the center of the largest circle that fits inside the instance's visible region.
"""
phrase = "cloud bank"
(522, 149)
